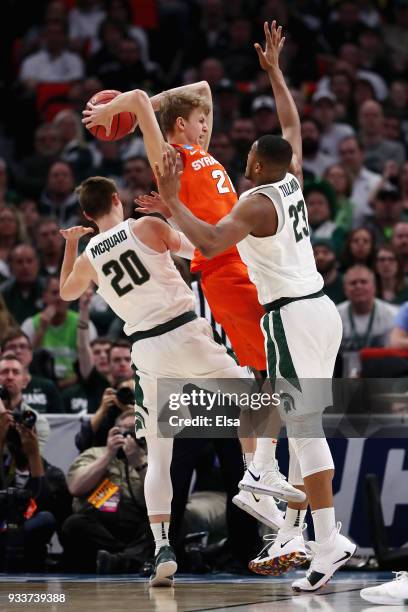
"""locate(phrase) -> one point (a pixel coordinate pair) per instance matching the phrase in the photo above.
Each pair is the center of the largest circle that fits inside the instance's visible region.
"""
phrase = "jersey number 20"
(294, 214)
(130, 263)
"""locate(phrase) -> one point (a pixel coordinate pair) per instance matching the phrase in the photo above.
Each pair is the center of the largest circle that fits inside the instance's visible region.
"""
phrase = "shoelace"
(270, 538)
(313, 548)
(400, 576)
(276, 473)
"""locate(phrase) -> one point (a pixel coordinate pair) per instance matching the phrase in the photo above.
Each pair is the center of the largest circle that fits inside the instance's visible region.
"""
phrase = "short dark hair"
(95, 196)
(119, 344)
(274, 150)
(100, 340)
(9, 356)
(13, 335)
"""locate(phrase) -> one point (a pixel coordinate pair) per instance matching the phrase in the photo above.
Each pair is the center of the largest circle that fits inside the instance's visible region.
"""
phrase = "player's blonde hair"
(180, 105)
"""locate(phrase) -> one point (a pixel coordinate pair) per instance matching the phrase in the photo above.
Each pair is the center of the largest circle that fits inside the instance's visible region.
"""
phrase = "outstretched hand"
(168, 180)
(153, 203)
(73, 234)
(269, 59)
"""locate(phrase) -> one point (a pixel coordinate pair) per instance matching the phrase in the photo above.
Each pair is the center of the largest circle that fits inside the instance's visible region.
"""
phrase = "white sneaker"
(284, 551)
(328, 557)
(394, 593)
(263, 508)
(270, 482)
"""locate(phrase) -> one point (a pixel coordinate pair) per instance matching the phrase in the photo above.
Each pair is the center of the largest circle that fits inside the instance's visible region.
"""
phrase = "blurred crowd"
(347, 65)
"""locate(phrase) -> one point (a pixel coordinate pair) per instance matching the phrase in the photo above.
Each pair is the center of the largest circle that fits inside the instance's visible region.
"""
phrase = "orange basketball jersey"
(207, 191)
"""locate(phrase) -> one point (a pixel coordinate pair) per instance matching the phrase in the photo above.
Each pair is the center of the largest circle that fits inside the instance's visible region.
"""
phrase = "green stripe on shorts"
(139, 396)
(286, 367)
(270, 349)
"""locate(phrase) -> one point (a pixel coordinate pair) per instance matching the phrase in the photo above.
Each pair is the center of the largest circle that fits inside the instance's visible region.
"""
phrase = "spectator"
(403, 183)
(84, 20)
(55, 329)
(39, 393)
(50, 245)
(31, 216)
(54, 63)
(377, 149)
(75, 150)
(22, 293)
(108, 159)
(314, 160)
(7, 196)
(387, 207)
(226, 105)
(264, 115)
(399, 331)
(396, 34)
(59, 198)
(364, 182)
(7, 322)
(120, 525)
(138, 175)
(24, 468)
(391, 285)
(130, 73)
(359, 249)
(12, 232)
(340, 180)
(243, 135)
(400, 243)
(13, 377)
(326, 264)
(119, 11)
(105, 60)
(332, 133)
(95, 431)
(239, 60)
(34, 170)
(212, 71)
(367, 320)
(320, 200)
(222, 149)
(345, 25)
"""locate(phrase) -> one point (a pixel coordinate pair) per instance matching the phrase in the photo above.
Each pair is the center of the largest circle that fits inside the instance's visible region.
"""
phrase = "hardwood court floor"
(209, 593)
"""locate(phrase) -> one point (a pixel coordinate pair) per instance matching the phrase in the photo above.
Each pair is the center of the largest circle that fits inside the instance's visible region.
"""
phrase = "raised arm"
(285, 106)
(76, 272)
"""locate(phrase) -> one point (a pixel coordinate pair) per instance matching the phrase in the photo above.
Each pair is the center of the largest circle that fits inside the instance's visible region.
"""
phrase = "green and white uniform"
(144, 288)
(302, 337)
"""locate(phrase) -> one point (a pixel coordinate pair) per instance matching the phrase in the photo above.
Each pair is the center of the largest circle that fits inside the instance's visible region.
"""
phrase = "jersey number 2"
(130, 263)
(223, 181)
(294, 214)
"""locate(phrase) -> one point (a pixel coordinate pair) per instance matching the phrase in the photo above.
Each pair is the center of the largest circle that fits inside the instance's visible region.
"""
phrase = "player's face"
(196, 127)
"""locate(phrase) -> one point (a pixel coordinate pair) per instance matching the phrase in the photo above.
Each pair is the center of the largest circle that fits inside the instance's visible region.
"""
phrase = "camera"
(4, 394)
(27, 418)
(125, 395)
(121, 453)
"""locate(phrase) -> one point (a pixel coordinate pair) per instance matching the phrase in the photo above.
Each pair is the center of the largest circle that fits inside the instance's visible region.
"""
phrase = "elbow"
(64, 294)
(139, 98)
(209, 250)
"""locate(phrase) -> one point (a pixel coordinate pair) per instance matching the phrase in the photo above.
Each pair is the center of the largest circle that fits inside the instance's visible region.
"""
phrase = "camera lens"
(125, 395)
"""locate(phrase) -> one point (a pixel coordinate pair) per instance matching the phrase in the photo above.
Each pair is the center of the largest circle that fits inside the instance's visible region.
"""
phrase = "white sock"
(265, 453)
(161, 534)
(294, 520)
(324, 521)
(247, 458)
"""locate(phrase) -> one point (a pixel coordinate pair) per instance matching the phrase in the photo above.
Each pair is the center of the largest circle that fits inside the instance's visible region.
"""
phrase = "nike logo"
(347, 555)
(256, 499)
(282, 545)
(255, 477)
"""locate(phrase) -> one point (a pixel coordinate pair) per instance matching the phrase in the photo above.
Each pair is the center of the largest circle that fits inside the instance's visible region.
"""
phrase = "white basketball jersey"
(282, 265)
(143, 287)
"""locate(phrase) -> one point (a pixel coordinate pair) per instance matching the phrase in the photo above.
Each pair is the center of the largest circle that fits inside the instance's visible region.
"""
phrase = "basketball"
(122, 124)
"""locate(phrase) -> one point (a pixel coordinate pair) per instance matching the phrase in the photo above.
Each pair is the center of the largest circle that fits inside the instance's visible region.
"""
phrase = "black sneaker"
(165, 566)
(111, 563)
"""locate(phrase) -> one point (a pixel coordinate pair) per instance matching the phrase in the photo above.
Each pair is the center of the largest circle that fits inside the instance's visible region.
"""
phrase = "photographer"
(110, 529)
(34, 494)
(114, 402)
(13, 379)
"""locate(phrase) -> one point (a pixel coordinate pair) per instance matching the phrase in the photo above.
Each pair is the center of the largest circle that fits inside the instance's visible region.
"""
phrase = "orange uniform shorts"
(233, 300)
